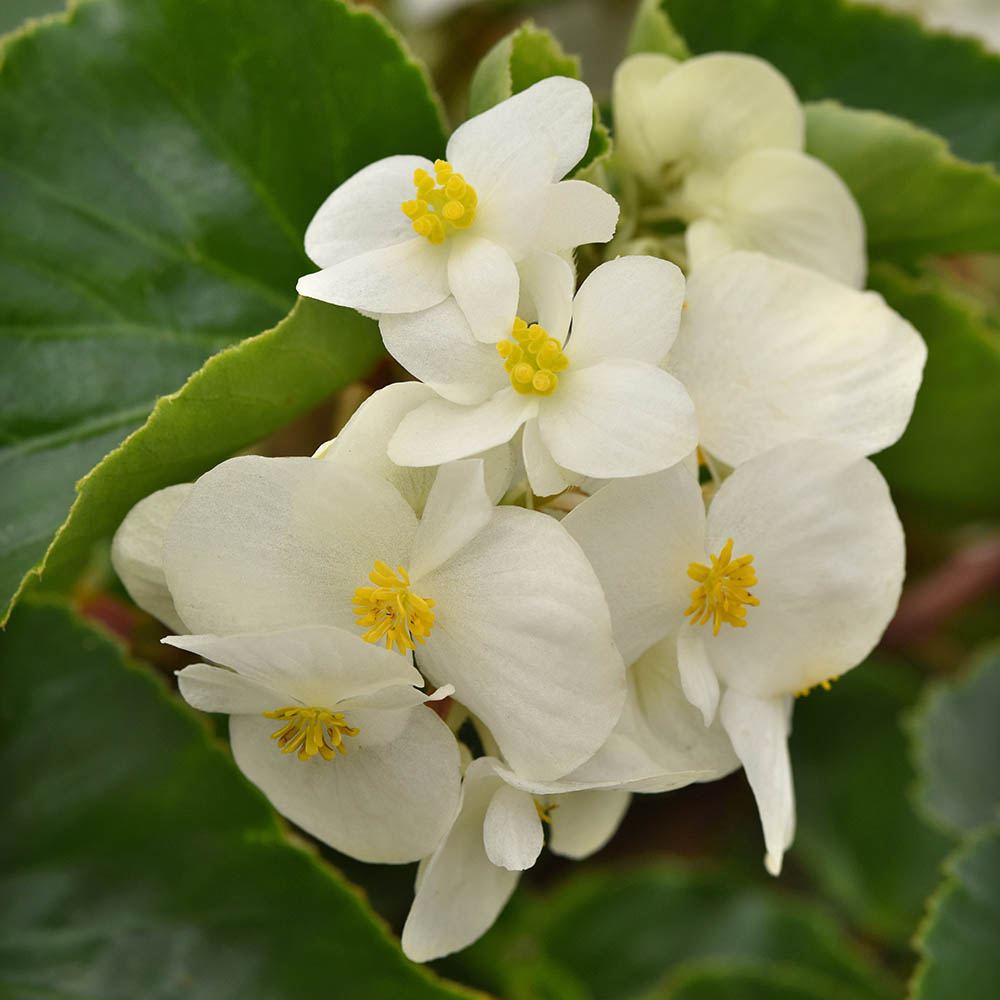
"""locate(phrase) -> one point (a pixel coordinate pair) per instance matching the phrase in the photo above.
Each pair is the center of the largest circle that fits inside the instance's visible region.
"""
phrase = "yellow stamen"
(545, 811)
(532, 359)
(722, 590)
(390, 609)
(310, 731)
(441, 209)
(825, 685)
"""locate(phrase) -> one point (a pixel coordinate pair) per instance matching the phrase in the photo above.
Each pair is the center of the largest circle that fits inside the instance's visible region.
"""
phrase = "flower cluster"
(605, 538)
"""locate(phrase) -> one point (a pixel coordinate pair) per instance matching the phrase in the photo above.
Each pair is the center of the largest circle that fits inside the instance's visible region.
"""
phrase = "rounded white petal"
(771, 352)
(460, 892)
(758, 729)
(788, 205)
(636, 110)
(829, 557)
(617, 418)
(545, 476)
(274, 543)
(213, 689)
(485, 283)
(547, 283)
(401, 278)
(584, 822)
(439, 431)
(365, 212)
(523, 632)
(575, 213)
(437, 347)
(389, 803)
(640, 535)
(137, 553)
(512, 829)
(627, 308)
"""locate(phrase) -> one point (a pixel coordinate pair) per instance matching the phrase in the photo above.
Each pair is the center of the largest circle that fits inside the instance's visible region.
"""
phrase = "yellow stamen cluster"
(389, 609)
(825, 685)
(443, 204)
(310, 731)
(722, 591)
(544, 812)
(533, 359)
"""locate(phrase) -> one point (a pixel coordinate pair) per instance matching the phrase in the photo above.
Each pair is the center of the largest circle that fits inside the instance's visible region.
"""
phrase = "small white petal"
(701, 686)
(584, 822)
(485, 283)
(212, 689)
(576, 213)
(547, 283)
(512, 830)
(617, 418)
(636, 109)
(759, 731)
(545, 476)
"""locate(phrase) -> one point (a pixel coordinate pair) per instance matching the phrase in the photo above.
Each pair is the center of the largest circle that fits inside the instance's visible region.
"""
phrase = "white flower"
(403, 234)
(788, 582)
(500, 601)
(593, 401)
(717, 143)
(334, 732)
(771, 352)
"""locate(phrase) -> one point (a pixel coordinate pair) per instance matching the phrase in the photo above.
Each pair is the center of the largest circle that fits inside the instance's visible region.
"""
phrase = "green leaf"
(956, 742)
(14, 12)
(518, 61)
(864, 57)
(858, 835)
(159, 162)
(136, 860)
(916, 197)
(945, 458)
(958, 940)
(653, 32)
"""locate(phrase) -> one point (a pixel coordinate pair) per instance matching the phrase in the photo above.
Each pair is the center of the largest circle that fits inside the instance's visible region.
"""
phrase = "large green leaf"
(917, 198)
(862, 56)
(14, 12)
(159, 161)
(744, 980)
(858, 834)
(135, 861)
(945, 456)
(958, 940)
(956, 742)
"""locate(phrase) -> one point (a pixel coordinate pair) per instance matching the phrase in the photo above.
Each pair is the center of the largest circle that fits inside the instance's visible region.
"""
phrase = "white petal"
(547, 283)
(439, 431)
(618, 418)
(787, 205)
(213, 689)
(318, 666)
(484, 281)
(585, 821)
(389, 804)
(523, 632)
(759, 732)
(701, 686)
(627, 308)
(457, 510)
(404, 277)
(828, 554)
(636, 110)
(437, 347)
(273, 543)
(576, 213)
(512, 830)
(771, 352)
(640, 535)
(545, 476)
(460, 892)
(137, 553)
(556, 111)
(365, 212)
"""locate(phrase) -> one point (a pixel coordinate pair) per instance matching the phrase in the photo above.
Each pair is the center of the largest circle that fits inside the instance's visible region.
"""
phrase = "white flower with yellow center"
(499, 602)
(334, 732)
(403, 234)
(787, 583)
(592, 398)
(716, 143)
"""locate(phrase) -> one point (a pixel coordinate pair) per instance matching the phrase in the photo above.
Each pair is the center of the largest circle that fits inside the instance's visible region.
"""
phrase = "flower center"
(311, 731)
(442, 208)
(722, 590)
(389, 609)
(532, 358)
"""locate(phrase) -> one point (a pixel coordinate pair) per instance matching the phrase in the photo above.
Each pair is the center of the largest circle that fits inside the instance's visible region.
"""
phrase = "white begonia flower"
(593, 401)
(335, 734)
(501, 600)
(403, 234)
(789, 582)
(717, 142)
(771, 352)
